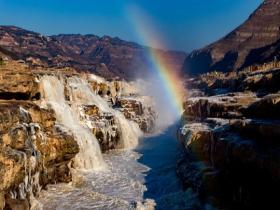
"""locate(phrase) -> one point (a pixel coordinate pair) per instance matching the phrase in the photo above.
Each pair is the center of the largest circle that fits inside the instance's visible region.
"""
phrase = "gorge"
(64, 126)
(98, 123)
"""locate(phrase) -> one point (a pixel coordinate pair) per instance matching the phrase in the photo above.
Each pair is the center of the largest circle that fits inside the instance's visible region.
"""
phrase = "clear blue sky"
(184, 24)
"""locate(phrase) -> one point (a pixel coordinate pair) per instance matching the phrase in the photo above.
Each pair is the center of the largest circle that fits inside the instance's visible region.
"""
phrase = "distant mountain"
(122, 58)
(254, 41)
(106, 56)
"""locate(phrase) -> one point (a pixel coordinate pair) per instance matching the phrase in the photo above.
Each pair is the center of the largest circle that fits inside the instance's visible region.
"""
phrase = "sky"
(182, 24)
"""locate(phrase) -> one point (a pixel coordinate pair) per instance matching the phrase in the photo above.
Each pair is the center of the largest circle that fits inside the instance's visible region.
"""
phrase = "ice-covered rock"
(53, 121)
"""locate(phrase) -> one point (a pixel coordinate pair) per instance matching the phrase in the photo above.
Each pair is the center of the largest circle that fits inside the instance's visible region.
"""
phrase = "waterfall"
(82, 93)
(89, 156)
(130, 131)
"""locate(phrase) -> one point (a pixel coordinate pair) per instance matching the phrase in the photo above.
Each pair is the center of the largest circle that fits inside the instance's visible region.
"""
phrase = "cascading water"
(121, 185)
(130, 131)
(90, 156)
(81, 93)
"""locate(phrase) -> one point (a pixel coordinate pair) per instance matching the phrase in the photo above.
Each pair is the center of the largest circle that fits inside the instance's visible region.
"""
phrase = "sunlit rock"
(29, 149)
(55, 123)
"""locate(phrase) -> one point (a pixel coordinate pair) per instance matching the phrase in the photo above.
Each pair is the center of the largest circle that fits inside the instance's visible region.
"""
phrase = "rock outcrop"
(141, 113)
(231, 140)
(261, 81)
(34, 152)
(253, 42)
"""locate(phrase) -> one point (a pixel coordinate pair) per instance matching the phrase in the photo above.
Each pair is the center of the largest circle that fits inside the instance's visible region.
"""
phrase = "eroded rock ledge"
(35, 150)
(232, 141)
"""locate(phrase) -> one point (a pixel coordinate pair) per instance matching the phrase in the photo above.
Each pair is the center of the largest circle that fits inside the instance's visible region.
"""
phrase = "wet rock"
(195, 137)
(148, 204)
(35, 150)
(91, 110)
(33, 153)
(104, 126)
(135, 110)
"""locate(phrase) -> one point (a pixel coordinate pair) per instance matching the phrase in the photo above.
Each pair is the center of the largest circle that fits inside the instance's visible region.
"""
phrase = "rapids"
(141, 176)
(134, 179)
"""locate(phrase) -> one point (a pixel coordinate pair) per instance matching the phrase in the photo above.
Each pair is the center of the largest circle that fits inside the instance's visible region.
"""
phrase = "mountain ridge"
(231, 52)
(106, 56)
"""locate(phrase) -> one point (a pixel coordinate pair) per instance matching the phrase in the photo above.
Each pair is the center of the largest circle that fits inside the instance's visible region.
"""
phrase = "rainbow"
(171, 81)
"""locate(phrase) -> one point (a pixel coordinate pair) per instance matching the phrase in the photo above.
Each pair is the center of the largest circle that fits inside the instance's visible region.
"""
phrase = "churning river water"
(133, 179)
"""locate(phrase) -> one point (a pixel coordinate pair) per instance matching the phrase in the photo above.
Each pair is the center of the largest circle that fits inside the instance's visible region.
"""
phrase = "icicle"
(24, 113)
(89, 156)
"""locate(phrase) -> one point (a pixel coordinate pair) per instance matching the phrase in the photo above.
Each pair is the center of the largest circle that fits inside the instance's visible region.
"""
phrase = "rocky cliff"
(254, 41)
(54, 122)
(230, 132)
(105, 56)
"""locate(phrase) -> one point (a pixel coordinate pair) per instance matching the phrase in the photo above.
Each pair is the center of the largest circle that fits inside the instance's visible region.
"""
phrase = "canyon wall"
(230, 133)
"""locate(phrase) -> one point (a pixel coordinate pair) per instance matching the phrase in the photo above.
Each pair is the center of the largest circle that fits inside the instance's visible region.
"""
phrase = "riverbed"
(143, 177)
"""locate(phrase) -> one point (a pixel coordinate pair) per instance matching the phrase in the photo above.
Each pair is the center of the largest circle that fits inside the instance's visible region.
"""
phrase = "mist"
(164, 105)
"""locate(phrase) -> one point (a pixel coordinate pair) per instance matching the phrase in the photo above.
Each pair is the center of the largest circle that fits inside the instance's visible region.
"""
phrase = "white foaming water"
(130, 131)
(90, 156)
(114, 189)
(123, 180)
(81, 93)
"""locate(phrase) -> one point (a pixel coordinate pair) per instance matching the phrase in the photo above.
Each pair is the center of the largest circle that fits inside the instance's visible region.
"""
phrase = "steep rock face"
(228, 163)
(104, 126)
(34, 152)
(106, 56)
(231, 140)
(231, 52)
(256, 79)
(264, 54)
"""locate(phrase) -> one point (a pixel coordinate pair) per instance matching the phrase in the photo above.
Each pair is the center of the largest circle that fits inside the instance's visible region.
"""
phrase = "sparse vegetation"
(264, 66)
